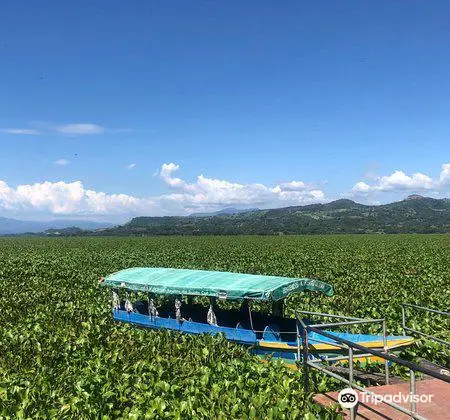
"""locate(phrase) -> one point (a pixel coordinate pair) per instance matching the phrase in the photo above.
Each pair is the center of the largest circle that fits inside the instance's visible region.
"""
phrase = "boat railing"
(358, 350)
(351, 322)
(329, 315)
(418, 308)
(347, 319)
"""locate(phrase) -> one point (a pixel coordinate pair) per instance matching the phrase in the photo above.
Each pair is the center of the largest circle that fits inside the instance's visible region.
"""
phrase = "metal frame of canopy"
(221, 285)
(214, 284)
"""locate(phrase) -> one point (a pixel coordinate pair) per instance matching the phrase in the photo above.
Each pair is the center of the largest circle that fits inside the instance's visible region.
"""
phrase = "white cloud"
(444, 177)
(203, 194)
(61, 198)
(102, 203)
(67, 129)
(399, 181)
(62, 162)
(210, 193)
(293, 186)
(361, 187)
(23, 131)
(131, 166)
(166, 172)
(86, 128)
(72, 198)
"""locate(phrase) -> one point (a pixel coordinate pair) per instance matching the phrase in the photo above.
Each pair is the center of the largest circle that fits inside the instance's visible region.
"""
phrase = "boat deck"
(437, 409)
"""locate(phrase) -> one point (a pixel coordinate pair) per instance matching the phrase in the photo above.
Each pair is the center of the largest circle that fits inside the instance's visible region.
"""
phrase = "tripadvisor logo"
(348, 398)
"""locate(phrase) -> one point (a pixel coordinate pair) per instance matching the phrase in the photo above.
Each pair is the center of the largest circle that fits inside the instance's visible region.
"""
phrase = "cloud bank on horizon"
(205, 194)
(399, 181)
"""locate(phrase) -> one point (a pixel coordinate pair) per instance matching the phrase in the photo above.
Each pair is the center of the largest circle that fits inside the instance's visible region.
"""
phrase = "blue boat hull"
(238, 335)
(269, 345)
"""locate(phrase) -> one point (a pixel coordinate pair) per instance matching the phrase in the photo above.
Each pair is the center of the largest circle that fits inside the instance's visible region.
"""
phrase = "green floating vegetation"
(63, 357)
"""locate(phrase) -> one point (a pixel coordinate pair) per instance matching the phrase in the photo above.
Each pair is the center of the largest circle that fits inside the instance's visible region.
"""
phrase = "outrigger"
(266, 333)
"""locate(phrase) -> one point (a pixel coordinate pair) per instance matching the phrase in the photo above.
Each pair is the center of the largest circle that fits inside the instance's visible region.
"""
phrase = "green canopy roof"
(224, 285)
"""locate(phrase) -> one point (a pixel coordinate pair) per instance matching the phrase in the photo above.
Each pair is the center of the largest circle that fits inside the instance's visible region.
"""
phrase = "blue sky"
(112, 109)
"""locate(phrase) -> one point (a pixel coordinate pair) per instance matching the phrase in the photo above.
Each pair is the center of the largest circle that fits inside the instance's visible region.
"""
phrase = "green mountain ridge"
(10, 226)
(415, 214)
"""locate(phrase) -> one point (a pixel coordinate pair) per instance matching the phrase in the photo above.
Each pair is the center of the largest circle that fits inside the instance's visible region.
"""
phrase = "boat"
(267, 333)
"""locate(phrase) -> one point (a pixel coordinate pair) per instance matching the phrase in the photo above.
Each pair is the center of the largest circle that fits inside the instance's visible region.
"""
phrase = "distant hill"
(227, 210)
(14, 226)
(415, 214)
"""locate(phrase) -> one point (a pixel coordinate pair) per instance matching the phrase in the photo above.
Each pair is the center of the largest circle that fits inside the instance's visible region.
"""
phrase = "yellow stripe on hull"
(391, 344)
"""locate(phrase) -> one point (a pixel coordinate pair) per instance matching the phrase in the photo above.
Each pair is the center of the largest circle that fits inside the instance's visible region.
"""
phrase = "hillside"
(227, 210)
(13, 226)
(416, 214)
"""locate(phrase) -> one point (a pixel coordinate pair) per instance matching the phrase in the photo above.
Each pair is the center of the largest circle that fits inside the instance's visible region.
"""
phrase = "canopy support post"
(297, 327)
(305, 359)
(250, 315)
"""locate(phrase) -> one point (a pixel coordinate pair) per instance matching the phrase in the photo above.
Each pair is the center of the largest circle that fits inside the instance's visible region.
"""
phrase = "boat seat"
(141, 307)
(245, 325)
(272, 333)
